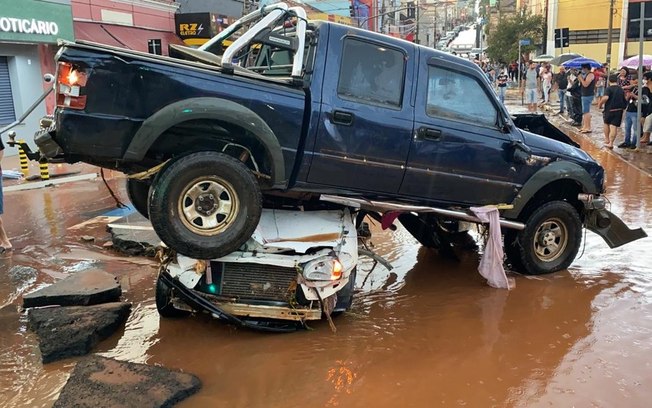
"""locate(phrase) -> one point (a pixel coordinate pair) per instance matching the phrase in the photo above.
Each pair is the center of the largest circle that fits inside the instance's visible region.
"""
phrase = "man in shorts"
(614, 104)
(531, 86)
(587, 80)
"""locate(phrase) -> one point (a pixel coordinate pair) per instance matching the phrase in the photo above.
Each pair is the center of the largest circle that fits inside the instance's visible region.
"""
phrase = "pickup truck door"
(366, 120)
(459, 154)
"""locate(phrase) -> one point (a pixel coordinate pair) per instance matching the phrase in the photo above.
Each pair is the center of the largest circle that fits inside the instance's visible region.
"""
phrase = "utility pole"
(610, 32)
(416, 16)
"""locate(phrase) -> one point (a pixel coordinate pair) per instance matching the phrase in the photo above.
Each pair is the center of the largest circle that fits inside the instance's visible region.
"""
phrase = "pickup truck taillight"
(70, 82)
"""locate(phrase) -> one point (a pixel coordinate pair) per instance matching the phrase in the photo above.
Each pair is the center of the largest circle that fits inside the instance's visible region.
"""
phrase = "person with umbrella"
(587, 80)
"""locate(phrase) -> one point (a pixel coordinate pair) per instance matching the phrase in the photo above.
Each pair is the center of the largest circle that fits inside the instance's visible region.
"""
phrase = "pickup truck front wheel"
(205, 205)
(549, 242)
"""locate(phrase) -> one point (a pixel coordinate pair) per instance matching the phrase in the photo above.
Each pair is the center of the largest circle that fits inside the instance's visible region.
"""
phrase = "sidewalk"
(640, 158)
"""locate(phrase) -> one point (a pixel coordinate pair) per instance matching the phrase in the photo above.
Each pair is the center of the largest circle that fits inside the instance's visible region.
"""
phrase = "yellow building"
(588, 22)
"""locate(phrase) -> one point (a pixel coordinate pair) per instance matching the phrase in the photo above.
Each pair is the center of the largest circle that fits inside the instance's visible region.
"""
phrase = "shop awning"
(133, 38)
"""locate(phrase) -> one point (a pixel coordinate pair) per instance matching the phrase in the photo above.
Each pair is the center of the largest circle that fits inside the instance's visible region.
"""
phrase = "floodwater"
(428, 333)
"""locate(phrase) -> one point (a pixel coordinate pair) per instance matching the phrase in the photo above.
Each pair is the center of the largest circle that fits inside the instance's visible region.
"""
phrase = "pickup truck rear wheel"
(138, 192)
(205, 205)
(549, 242)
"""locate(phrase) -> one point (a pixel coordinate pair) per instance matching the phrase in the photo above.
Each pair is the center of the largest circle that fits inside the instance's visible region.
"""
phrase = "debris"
(81, 289)
(87, 238)
(107, 244)
(124, 241)
(103, 382)
(69, 331)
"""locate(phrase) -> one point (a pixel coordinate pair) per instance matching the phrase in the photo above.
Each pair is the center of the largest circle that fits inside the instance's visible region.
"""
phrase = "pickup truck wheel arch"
(557, 172)
(212, 109)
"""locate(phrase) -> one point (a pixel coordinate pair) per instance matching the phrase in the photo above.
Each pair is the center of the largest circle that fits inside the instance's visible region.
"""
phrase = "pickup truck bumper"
(606, 224)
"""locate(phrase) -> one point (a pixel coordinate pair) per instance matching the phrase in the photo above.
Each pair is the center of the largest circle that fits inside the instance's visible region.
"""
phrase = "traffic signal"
(352, 10)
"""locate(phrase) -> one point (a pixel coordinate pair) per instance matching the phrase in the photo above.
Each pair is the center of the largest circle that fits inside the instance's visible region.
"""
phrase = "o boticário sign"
(35, 21)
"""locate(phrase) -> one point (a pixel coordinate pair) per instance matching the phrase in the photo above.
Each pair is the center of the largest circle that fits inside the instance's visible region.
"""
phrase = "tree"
(502, 44)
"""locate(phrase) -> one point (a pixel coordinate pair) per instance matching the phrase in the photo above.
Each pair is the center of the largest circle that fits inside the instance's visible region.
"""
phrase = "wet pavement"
(428, 333)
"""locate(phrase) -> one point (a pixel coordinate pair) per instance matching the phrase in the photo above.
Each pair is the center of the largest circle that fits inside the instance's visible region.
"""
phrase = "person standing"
(502, 86)
(531, 86)
(631, 115)
(646, 109)
(600, 82)
(587, 80)
(546, 84)
(561, 83)
(614, 103)
(5, 245)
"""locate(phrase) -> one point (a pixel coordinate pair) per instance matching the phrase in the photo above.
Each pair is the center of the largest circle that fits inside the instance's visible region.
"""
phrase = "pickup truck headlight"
(326, 268)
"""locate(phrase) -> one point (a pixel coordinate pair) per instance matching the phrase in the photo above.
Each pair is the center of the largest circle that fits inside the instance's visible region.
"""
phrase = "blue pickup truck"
(293, 110)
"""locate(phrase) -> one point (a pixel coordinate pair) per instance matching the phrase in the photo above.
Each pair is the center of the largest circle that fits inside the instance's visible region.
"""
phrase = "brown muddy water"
(428, 333)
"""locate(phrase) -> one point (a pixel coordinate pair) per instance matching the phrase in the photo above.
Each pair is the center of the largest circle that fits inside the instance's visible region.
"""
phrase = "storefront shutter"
(7, 114)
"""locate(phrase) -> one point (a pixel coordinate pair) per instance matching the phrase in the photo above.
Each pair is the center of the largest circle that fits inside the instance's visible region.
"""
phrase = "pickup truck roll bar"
(268, 17)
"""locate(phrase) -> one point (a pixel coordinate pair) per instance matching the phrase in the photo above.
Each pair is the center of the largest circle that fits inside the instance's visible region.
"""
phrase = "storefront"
(29, 30)
(197, 28)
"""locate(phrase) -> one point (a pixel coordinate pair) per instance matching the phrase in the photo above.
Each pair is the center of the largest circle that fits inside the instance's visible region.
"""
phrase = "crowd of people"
(577, 90)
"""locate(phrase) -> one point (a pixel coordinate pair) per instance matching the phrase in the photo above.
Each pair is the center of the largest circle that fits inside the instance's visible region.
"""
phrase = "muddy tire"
(138, 193)
(549, 242)
(205, 205)
(163, 299)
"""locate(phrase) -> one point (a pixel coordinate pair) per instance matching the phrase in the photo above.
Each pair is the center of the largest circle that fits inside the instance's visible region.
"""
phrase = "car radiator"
(254, 281)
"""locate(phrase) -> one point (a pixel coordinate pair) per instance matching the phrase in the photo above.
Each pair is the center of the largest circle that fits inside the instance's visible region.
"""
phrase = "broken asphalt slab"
(134, 235)
(81, 289)
(67, 331)
(98, 382)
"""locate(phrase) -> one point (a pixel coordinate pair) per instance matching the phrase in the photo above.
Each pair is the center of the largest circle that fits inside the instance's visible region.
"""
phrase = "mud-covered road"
(428, 333)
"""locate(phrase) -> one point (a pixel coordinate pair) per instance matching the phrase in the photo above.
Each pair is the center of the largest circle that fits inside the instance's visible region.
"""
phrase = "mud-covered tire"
(138, 193)
(205, 205)
(549, 242)
(163, 299)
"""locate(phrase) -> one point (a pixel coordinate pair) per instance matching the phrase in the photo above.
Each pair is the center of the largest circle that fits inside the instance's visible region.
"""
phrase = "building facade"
(141, 25)
(29, 30)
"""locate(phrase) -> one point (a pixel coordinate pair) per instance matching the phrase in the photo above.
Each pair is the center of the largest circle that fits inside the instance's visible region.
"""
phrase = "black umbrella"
(560, 59)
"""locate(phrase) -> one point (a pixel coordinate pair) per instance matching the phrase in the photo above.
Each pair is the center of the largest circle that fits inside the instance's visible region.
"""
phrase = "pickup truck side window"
(371, 73)
(460, 97)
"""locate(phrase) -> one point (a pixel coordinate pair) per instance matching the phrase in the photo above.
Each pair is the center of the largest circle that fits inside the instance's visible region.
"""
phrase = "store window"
(7, 114)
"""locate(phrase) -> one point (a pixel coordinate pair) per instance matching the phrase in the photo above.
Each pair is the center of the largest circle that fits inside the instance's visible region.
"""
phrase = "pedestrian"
(614, 103)
(5, 245)
(646, 109)
(502, 86)
(561, 83)
(546, 84)
(531, 85)
(623, 78)
(600, 82)
(491, 75)
(587, 80)
(575, 98)
(631, 115)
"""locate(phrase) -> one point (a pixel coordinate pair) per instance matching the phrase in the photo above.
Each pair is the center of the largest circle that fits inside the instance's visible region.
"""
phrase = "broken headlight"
(327, 268)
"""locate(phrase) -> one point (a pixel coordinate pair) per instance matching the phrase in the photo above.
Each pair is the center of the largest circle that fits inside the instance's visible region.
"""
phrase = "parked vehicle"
(293, 110)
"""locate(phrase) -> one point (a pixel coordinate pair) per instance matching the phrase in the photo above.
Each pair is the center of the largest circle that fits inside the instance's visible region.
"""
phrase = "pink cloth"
(389, 218)
(491, 264)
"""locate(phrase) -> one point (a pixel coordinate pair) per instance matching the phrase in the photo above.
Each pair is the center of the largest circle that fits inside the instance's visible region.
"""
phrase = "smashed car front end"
(298, 266)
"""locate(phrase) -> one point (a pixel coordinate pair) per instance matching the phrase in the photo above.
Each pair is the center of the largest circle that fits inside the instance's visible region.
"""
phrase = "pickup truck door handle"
(426, 133)
(342, 118)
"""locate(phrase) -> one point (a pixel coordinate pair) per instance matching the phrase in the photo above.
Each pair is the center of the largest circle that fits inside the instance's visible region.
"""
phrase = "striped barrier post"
(24, 162)
(45, 172)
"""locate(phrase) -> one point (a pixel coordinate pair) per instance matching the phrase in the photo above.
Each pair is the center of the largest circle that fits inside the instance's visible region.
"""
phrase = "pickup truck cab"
(296, 109)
